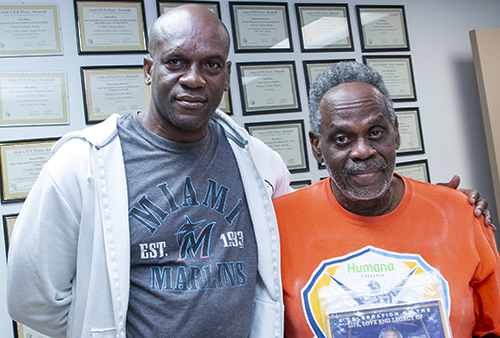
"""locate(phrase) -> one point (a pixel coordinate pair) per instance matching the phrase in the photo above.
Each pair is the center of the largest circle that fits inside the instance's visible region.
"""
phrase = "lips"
(364, 173)
(191, 101)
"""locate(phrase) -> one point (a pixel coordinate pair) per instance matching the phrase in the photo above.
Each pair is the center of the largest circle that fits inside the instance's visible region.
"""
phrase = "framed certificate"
(113, 90)
(417, 170)
(287, 138)
(397, 73)
(110, 26)
(260, 27)
(33, 98)
(324, 27)
(300, 184)
(382, 28)
(225, 103)
(410, 131)
(268, 87)
(312, 68)
(20, 164)
(29, 30)
(163, 7)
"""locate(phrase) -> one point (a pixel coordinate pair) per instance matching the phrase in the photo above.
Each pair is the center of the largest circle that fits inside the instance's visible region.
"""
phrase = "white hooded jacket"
(69, 257)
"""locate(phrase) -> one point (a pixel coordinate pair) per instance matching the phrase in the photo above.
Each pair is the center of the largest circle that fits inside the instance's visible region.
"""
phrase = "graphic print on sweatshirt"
(192, 245)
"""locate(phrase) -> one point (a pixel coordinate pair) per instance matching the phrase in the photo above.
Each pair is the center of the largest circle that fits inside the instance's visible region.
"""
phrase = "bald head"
(196, 17)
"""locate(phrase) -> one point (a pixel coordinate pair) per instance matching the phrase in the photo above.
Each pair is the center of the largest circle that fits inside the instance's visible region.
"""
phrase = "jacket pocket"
(103, 333)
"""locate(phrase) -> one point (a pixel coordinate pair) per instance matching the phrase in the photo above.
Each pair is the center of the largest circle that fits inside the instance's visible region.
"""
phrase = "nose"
(193, 77)
(362, 150)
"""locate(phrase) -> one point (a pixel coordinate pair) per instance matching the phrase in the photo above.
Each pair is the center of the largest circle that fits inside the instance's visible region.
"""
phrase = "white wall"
(444, 73)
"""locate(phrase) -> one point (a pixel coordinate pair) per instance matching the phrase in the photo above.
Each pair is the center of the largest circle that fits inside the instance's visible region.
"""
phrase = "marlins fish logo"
(191, 243)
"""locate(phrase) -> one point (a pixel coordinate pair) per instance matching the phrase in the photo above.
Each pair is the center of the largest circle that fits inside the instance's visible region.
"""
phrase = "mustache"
(375, 164)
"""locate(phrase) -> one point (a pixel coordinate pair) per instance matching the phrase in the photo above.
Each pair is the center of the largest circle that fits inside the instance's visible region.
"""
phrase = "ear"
(316, 150)
(396, 130)
(228, 76)
(148, 67)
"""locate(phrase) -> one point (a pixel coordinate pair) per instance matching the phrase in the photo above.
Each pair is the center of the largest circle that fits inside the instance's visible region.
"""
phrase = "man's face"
(390, 334)
(358, 141)
(189, 71)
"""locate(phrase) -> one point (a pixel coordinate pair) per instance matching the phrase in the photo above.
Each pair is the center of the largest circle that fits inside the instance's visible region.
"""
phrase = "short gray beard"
(354, 195)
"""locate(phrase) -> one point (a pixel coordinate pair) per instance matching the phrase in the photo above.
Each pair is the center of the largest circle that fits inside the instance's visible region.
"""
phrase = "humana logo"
(365, 268)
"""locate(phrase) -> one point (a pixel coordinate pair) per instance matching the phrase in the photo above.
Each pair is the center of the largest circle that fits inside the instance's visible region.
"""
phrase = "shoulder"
(307, 194)
(435, 193)
(96, 135)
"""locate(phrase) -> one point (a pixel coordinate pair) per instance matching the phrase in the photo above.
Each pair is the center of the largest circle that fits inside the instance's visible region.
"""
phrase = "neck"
(379, 206)
(158, 126)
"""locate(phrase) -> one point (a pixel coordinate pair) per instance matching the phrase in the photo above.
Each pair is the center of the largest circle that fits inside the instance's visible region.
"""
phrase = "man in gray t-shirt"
(193, 253)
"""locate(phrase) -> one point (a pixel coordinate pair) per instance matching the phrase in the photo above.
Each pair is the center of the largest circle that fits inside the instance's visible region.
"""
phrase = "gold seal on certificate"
(260, 27)
(113, 90)
(33, 98)
(397, 73)
(106, 26)
(286, 138)
(324, 27)
(29, 30)
(21, 163)
(382, 28)
(268, 87)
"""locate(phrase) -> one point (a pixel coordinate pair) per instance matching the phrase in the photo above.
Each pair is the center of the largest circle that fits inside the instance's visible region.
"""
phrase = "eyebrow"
(175, 54)
(379, 119)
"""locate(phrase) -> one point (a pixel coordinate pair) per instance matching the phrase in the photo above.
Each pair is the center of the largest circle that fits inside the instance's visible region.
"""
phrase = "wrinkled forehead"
(354, 96)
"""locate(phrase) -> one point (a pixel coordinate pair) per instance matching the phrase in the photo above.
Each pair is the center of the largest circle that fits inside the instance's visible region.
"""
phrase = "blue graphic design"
(190, 243)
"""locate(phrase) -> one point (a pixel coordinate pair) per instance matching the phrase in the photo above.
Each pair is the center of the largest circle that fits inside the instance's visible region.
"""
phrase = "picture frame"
(40, 35)
(410, 131)
(397, 73)
(260, 27)
(382, 28)
(312, 68)
(417, 170)
(324, 27)
(268, 87)
(19, 169)
(164, 6)
(109, 90)
(105, 26)
(287, 138)
(226, 103)
(300, 184)
(33, 98)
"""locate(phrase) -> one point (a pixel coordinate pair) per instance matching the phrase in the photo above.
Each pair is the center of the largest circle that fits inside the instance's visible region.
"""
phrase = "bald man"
(157, 223)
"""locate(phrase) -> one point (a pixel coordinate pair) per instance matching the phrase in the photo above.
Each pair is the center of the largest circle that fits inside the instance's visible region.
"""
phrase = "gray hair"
(340, 73)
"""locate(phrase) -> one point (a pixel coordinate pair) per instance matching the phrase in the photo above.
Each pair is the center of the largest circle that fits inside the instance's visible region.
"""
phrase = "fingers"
(481, 208)
(453, 183)
(473, 197)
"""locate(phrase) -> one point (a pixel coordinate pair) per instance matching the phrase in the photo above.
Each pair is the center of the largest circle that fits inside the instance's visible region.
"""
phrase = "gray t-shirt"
(192, 245)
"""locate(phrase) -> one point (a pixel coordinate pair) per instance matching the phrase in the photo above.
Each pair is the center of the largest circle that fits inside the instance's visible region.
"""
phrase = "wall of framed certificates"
(65, 65)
